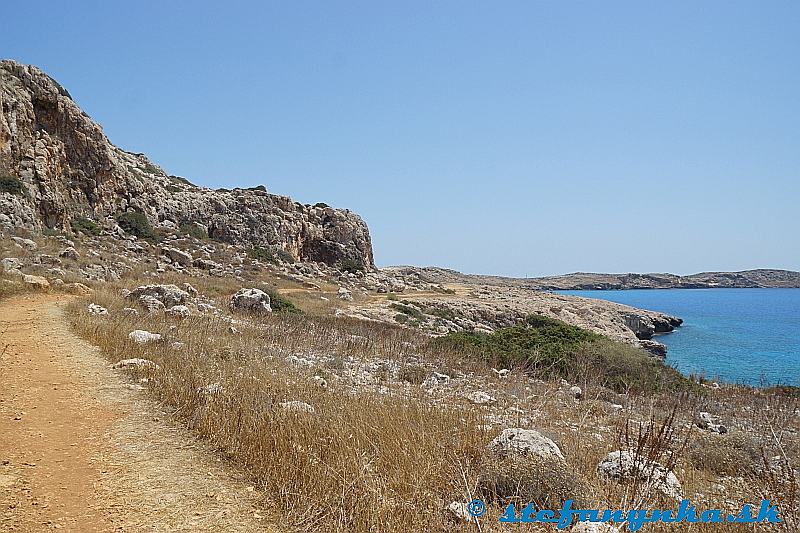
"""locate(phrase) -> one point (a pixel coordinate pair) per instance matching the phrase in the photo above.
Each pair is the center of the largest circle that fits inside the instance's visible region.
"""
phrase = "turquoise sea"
(735, 335)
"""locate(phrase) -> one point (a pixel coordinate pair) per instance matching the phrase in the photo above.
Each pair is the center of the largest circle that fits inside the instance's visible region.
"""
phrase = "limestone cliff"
(69, 169)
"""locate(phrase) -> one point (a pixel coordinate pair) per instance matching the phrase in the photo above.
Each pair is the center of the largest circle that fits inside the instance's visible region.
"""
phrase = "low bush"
(271, 255)
(85, 226)
(281, 304)
(351, 265)
(136, 223)
(410, 311)
(194, 230)
(11, 185)
(552, 349)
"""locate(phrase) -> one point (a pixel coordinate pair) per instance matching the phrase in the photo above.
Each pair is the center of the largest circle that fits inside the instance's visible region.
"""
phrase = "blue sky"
(516, 138)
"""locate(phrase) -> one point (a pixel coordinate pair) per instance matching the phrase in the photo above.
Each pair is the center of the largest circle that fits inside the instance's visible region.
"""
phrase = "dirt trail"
(82, 449)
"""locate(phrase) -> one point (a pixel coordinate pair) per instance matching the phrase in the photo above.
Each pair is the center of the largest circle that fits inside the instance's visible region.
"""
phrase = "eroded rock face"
(69, 169)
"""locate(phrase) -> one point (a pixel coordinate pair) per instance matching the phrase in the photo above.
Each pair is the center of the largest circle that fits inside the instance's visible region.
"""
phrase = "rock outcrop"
(59, 167)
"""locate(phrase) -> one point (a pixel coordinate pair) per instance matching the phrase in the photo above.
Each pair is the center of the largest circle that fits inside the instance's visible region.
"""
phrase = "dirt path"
(82, 449)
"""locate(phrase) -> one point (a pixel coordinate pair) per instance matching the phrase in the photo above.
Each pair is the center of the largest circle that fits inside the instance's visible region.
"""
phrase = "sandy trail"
(82, 449)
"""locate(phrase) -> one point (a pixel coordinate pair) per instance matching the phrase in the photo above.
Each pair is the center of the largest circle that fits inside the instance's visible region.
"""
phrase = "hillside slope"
(57, 165)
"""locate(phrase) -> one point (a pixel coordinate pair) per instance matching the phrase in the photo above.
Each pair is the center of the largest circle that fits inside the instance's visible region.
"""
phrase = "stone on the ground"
(76, 288)
(711, 423)
(251, 301)
(36, 281)
(626, 465)
(481, 398)
(460, 510)
(95, 309)
(168, 295)
(576, 392)
(179, 256)
(320, 382)
(140, 336)
(516, 441)
(69, 253)
(25, 244)
(11, 264)
(137, 363)
(151, 303)
(179, 311)
(345, 294)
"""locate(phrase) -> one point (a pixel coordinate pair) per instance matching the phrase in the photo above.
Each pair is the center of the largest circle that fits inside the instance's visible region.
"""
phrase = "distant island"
(746, 279)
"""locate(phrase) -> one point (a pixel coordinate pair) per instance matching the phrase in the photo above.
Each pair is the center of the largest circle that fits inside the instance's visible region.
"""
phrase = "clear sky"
(517, 138)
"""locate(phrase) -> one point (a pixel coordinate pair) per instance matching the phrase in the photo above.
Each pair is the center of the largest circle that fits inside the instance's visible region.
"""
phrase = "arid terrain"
(177, 358)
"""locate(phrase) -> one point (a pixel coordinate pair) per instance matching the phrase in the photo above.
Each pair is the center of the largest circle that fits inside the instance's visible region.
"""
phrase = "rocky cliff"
(57, 165)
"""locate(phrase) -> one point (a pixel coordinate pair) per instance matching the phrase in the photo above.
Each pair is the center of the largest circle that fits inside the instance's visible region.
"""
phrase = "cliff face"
(69, 169)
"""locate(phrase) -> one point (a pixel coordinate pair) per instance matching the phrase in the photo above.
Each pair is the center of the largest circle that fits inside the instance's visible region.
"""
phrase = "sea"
(749, 336)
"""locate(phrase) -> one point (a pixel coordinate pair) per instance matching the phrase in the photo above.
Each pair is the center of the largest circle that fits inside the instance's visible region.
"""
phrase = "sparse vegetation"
(271, 255)
(352, 266)
(408, 310)
(12, 185)
(281, 304)
(194, 230)
(86, 226)
(551, 349)
(136, 223)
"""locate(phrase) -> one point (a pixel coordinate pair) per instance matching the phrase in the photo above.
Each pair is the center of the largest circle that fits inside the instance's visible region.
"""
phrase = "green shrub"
(136, 223)
(192, 229)
(409, 310)
(392, 297)
(281, 304)
(351, 265)
(553, 349)
(85, 226)
(273, 256)
(12, 185)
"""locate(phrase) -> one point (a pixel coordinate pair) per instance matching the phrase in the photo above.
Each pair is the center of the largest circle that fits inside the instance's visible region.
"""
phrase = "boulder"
(168, 295)
(251, 300)
(36, 281)
(481, 398)
(516, 441)
(142, 337)
(150, 303)
(11, 264)
(69, 253)
(25, 244)
(179, 311)
(626, 465)
(345, 294)
(95, 309)
(178, 256)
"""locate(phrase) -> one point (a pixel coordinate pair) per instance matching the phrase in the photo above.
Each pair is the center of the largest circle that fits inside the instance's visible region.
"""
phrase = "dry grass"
(388, 456)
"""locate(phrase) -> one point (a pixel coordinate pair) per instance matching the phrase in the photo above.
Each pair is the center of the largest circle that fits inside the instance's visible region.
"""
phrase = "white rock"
(513, 441)
(625, 465)
(251, 300)
(502, 373)
(345, 294)
(481, 398)
(179, 311)
(25, 244)
(141, 337)
(130, 311)
(576, 392)
(95, 309)
(36, 281)
(460, 510)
